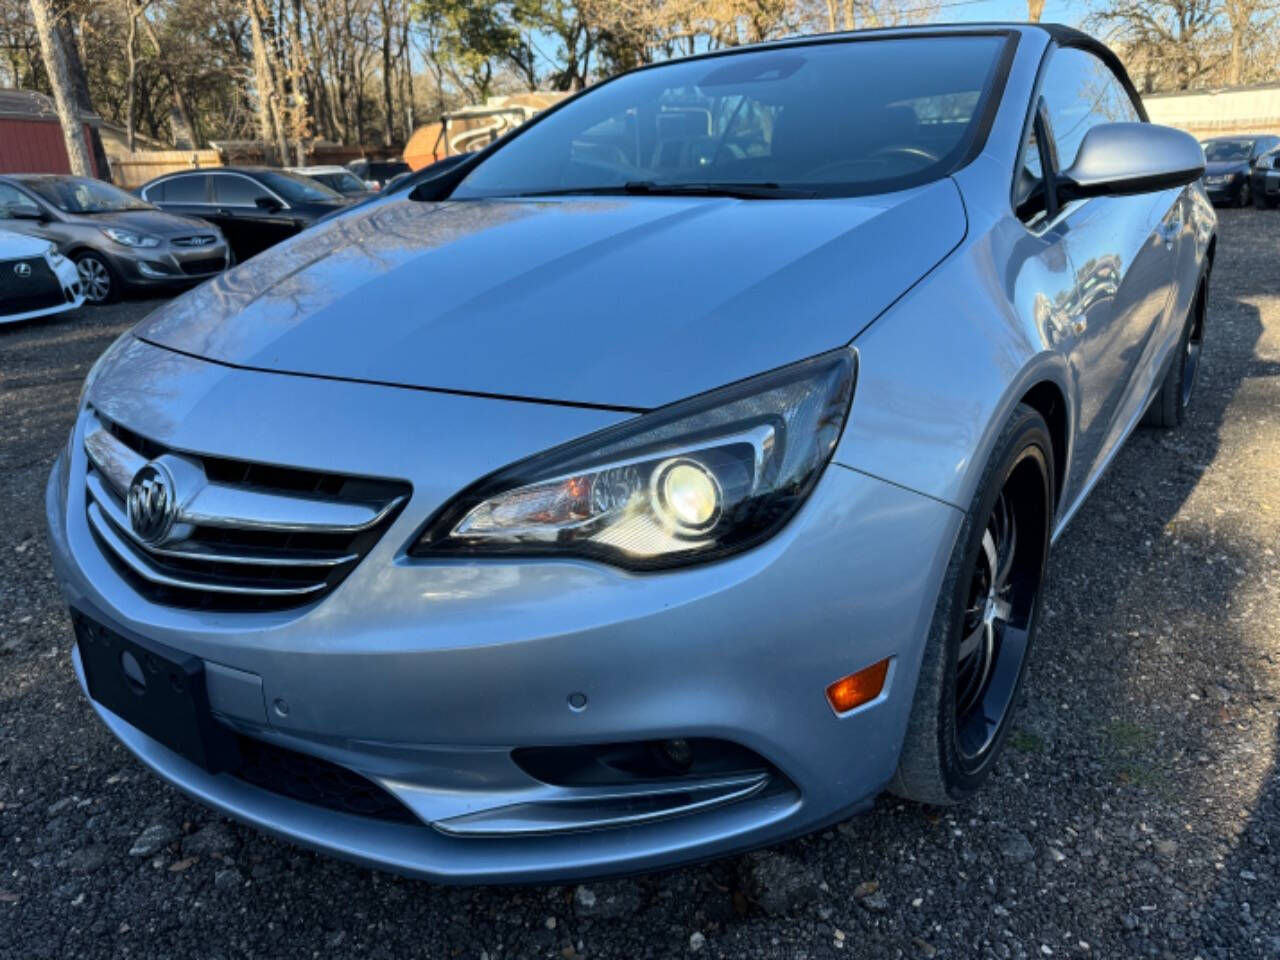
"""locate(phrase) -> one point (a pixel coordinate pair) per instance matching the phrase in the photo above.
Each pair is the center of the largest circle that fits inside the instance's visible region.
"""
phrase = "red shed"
(31, 137)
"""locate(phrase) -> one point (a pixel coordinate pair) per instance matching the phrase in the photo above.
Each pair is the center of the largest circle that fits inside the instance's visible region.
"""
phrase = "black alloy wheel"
(1003, 589)
(984, 624)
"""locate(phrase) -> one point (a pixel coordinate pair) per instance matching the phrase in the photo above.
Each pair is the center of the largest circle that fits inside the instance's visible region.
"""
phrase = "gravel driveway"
(1137, 812)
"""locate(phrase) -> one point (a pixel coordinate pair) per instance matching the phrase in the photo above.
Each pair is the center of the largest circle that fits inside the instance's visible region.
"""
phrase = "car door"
(1124, 252)
(259, 217)
(184, 193)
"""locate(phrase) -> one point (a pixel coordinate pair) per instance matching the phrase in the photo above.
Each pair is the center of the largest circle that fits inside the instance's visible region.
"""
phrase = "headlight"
(129, 238)
(692, 481)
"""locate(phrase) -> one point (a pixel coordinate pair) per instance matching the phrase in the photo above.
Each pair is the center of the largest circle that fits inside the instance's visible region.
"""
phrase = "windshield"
(297, 189)
(82, 195)
(828, 119)
(1228, 150)
(345, 183)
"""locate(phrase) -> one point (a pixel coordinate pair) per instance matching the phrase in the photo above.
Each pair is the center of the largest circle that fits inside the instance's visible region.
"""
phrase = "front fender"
(941, 372)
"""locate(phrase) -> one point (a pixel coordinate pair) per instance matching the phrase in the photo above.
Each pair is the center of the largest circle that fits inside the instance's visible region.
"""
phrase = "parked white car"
(35, 280)
(337, 178)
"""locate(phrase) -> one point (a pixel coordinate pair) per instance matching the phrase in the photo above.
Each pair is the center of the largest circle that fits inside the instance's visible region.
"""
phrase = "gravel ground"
(1137, 812)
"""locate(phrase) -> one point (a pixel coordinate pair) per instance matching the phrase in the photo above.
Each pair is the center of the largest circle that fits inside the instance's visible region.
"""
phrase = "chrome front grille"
(200, 240)
(242, 536)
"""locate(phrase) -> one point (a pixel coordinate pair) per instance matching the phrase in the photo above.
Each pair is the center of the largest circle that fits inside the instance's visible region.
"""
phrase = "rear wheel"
(1170, 405)
(984, 623)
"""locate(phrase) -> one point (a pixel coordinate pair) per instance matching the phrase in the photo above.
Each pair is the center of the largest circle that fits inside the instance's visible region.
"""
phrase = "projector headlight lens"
(686, 483)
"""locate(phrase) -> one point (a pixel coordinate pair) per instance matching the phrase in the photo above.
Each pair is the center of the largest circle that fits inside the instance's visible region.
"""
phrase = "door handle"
(224, 212)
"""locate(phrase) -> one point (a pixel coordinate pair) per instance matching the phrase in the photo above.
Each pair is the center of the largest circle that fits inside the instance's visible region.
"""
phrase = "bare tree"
(55, 61)
(271, 127)
(1035, 10)
(299, 113)
(1168, 44)
(133, 9)
(1249, 22)
(182, 133)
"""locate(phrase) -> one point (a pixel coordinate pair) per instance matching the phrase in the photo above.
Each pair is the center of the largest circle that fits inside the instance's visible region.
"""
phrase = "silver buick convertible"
(670, 478)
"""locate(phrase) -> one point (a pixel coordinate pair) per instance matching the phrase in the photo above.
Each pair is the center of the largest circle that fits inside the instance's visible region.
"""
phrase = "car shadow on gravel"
(1107, 803)
(1150, 708)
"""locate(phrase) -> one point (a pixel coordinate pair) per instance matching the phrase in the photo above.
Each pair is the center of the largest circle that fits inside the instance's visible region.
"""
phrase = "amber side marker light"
(858, 688)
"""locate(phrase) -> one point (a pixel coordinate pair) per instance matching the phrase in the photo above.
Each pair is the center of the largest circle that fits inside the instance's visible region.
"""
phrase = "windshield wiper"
(742, 191)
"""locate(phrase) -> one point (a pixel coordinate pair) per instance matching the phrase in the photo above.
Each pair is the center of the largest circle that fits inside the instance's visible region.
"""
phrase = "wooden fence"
(129, 170)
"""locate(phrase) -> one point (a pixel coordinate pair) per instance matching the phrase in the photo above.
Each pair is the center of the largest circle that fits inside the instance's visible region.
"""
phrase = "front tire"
(1245, 197)
(984, 623)
(98, 279)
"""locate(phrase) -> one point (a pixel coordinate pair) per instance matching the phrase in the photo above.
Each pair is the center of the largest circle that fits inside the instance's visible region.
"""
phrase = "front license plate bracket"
(157, 689)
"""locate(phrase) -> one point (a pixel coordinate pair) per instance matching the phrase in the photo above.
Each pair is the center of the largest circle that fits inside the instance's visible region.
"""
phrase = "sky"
(1070, 12)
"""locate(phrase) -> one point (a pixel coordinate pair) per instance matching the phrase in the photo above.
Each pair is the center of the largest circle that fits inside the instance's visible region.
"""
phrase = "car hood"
(18, 246)
(617, 301)
(157, 223)
(1218, 167)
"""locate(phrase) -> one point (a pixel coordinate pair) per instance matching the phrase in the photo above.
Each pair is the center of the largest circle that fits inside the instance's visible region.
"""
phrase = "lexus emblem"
(22, 269)
(152, 502)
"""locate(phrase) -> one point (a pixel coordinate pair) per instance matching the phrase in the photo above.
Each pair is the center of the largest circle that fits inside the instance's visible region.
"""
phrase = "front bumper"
(68, 297)
(1226, 192)
(425, 676)
(168, 265)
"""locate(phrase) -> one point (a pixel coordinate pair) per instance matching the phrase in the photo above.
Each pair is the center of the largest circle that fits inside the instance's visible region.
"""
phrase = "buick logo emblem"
(22, 269)
(152, 502)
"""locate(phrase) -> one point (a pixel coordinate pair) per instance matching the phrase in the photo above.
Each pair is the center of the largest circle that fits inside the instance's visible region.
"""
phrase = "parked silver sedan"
(670, 478)
(117, 241)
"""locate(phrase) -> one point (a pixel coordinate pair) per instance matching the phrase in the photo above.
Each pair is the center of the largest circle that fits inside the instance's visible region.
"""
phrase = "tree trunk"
(80, 90)
(301, 112)
(388, 108)
(55, 61)
(131, 76)
(406, 82)
(270, 129)
(280, 111)
(181, 132)
(1035, 9)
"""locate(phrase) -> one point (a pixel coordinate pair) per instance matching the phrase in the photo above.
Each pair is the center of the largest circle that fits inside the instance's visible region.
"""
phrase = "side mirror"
(270, 204)
(26, 213)
(1119, 159)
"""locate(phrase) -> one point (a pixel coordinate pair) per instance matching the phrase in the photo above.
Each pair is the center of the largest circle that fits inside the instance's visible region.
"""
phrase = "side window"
(1081, 92)
(235, 191)
(13, 199)
(186, 189)
(154, 193)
